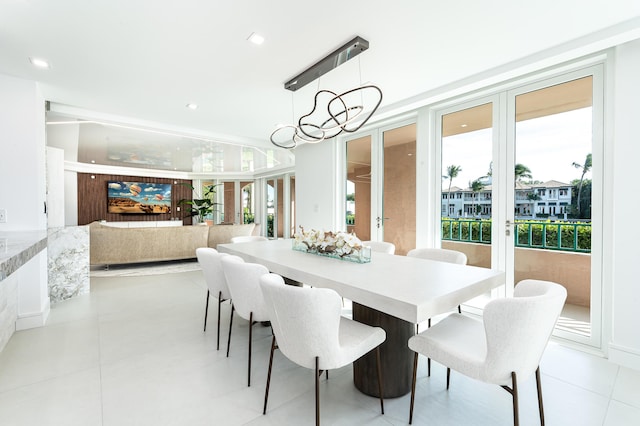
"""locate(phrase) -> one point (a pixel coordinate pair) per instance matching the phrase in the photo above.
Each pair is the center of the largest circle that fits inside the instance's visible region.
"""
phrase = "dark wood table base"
(395, 356)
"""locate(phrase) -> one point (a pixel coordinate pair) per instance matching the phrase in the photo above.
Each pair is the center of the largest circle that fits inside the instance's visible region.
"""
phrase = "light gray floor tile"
(620, 414)
(133, 352)
(72, 399)
(48, 352)
(627, 388)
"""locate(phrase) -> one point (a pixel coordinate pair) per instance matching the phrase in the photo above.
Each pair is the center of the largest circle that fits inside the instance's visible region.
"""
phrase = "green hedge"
(536, 234)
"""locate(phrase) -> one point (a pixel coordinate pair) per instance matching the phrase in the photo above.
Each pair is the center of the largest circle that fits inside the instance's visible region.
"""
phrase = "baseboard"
(626, 357)
(33, 320)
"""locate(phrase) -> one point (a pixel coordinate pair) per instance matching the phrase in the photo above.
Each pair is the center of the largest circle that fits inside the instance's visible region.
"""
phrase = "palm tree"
(522, 171)
(452, 172)
(476, 186)
(586, 167)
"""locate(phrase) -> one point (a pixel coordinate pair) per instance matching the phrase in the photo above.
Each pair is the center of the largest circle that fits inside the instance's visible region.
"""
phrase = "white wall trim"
(34, 319)
(624, 356)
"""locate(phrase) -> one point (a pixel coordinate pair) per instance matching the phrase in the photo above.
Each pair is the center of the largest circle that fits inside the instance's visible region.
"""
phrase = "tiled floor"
(133, 353)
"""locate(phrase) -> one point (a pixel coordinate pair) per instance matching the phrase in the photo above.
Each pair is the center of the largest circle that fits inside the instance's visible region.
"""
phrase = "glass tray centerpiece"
(339, 245)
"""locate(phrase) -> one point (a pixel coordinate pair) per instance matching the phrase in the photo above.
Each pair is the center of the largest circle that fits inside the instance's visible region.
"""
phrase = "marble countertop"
(18, 247)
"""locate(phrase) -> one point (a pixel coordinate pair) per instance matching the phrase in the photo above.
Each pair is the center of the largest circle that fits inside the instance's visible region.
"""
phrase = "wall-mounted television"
(138, 197)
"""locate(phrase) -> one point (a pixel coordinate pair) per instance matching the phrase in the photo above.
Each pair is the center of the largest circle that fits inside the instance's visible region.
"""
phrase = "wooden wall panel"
(92, 199)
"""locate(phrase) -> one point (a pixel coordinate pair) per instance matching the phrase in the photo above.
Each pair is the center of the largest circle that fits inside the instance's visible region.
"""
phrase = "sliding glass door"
(467, 153)
(552, 226)
(381, 186)
(521, 171)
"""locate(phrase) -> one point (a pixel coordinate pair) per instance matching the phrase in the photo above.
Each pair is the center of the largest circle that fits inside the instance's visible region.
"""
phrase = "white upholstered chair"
(381, 246)
(504, 348)
(248, 238)
(440, 255)
(243, 280)
(209, 260)
(309, 330)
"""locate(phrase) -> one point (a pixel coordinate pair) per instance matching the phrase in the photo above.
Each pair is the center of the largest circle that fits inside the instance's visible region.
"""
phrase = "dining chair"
(381, 246)
(244, 286)
(309, 330)
(248, 238)
(440, 255)
(209, 260)
(504, 348)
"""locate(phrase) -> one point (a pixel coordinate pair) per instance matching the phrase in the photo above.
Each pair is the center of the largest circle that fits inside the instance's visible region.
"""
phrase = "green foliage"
(467, 230)
(351, 219)
(545, 235)
(249, 217)
(534, 234)
(270, 219)
(585, 199)
(202, 207)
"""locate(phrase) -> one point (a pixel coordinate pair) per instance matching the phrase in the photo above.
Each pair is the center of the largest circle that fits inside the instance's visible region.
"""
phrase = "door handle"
(380, 221)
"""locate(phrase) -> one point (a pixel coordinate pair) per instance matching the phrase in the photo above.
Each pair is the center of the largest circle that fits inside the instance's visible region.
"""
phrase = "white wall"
(316, 180)
(67, 136)
(23, 189)
(55, 187)
(625, 291)
(70, 198)
(22, 163)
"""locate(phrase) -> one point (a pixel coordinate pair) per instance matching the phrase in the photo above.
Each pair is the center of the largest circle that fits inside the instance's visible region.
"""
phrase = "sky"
(547, 146)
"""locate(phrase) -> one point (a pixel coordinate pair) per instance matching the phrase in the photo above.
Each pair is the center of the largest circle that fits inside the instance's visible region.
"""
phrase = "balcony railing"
(565, 236)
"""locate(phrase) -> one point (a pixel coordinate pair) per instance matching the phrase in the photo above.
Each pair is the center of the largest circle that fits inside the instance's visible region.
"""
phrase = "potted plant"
(202, 207)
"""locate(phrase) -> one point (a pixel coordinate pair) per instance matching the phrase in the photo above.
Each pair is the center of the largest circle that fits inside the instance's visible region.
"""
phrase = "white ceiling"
(143, 61)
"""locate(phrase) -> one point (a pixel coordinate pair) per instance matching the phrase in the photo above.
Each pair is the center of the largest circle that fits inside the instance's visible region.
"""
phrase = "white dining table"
(391, 291)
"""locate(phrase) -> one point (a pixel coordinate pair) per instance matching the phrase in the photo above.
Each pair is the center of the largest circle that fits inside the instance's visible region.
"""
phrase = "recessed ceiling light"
(463, 125)
(40, 63)
(192, 106)
(256, 38)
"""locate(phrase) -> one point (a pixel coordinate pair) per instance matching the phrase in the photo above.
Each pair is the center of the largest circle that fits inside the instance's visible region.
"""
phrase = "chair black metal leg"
(317, 393)
(429, 359)
(539, 386)
(380, 384)
(514, 393)
(206, 311)
(266, 391)
(230, 325)
(513, 390)
(413, 386)
(448, 376)
(249, 361)
(218, 333)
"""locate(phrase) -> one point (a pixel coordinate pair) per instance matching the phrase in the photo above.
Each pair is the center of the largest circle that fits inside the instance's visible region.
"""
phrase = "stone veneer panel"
(68, 262)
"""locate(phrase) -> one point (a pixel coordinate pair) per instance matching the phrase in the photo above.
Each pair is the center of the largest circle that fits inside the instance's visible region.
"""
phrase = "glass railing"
(547, 235)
